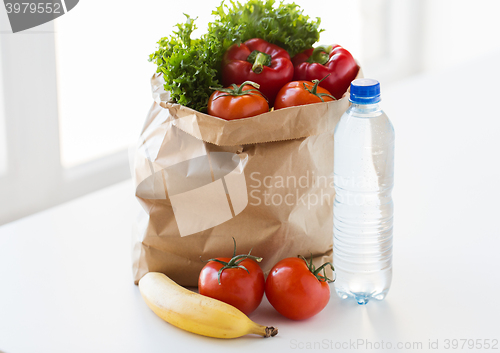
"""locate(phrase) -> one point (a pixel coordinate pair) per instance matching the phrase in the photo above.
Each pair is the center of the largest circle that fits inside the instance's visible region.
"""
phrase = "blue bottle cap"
(365, 91)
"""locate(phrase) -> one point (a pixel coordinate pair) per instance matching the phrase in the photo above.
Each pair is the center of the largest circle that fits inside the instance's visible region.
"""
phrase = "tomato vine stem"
(316, 272)
(236, 90)
(314, 89)
(235, 262)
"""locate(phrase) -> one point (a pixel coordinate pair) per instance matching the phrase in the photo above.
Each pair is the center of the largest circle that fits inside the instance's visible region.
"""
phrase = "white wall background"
(3, 144)
(459, 31)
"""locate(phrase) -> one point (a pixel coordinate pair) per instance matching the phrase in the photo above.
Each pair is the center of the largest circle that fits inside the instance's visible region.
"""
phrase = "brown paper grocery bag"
(266, 180)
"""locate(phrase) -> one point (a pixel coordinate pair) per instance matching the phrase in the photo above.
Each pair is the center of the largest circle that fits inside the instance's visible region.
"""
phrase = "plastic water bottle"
(363, 207)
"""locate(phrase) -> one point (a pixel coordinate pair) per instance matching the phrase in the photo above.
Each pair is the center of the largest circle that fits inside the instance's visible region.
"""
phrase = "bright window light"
(103, 73)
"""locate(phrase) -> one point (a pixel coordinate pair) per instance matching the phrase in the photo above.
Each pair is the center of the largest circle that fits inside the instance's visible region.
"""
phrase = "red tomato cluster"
(319, 74)
(294, 287)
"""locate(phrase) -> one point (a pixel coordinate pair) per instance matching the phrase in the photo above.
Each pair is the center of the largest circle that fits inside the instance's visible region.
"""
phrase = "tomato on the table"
(300, 93)
(237, 102)
(296, 289)
(238, 281)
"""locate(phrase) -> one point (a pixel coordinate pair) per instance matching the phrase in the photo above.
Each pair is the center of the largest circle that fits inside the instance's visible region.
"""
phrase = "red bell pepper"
(335, 61)
(258, 61)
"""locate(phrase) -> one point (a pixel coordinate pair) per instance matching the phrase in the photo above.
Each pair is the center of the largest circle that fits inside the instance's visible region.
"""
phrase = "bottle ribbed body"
(363, 207)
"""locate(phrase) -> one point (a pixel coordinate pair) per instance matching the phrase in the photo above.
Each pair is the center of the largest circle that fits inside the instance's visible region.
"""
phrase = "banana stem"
(264, 331)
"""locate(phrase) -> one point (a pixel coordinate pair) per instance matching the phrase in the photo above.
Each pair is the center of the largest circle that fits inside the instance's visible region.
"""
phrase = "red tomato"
(300, 93)
(295, 291)
(239, 288)
(237, 102)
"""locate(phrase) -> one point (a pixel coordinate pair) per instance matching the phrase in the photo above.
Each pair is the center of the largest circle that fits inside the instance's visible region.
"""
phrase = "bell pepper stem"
(258, 64)
(320, 55)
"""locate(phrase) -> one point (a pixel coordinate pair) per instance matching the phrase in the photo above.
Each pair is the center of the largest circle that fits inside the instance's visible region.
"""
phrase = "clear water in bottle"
(363, 207)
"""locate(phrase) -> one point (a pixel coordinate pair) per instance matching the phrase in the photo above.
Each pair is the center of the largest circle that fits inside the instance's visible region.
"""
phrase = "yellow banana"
(194, 312)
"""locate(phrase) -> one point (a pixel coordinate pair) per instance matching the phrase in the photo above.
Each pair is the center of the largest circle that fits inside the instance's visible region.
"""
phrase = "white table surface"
(65, 274)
